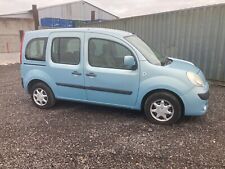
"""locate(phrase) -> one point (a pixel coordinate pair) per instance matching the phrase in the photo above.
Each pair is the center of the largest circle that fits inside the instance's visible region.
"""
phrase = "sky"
(121, 8)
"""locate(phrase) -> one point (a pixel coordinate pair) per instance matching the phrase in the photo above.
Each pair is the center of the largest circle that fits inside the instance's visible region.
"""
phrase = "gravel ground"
(75, 135)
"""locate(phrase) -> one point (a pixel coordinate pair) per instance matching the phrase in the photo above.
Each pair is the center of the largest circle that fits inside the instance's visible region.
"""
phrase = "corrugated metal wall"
(196, 35)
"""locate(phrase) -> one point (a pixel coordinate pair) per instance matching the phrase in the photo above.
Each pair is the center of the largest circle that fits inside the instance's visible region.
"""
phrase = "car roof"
(114, 32)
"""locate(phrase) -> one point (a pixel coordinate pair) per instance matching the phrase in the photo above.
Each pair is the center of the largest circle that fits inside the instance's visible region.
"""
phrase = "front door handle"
(76, 73)
(92, 75)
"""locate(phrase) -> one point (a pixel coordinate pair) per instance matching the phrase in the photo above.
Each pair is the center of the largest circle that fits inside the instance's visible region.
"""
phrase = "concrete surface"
(9, 34)
(9, 58)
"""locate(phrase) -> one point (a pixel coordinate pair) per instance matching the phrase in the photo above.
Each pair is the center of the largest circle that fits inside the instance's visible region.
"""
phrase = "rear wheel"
(42, 96)
(163, 108)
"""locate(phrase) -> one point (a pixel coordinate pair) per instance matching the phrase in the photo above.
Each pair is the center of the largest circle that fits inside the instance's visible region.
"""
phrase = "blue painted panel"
(57, 23)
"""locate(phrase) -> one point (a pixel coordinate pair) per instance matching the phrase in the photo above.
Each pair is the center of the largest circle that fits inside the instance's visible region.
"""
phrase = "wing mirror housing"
(130, 62)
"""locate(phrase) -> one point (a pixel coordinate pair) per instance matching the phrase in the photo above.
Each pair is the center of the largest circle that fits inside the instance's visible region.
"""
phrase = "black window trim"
(60, 37)
(113, 42)
(44, 52)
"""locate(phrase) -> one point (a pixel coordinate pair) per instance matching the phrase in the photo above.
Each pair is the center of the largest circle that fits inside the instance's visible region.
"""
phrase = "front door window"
(107, 54)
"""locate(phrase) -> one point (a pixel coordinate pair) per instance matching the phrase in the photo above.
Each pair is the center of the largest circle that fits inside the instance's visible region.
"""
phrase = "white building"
(79, 10)
(12, 24)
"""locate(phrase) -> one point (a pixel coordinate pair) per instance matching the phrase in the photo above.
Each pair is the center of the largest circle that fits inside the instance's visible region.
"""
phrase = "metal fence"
(196, 35)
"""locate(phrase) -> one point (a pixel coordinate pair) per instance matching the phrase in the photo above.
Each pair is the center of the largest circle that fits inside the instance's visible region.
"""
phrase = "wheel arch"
(34, 81)
(162, 90)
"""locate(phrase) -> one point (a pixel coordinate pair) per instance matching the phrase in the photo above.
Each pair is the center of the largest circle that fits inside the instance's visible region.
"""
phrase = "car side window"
(107, 54)
(66, 50)
(35, 49)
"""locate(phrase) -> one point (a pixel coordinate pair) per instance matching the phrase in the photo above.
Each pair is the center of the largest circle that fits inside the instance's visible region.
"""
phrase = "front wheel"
(42, 96)
(163, 108)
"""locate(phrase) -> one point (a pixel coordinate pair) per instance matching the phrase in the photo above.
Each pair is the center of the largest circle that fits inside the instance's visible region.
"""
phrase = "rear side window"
(35, 49)
(66, 50)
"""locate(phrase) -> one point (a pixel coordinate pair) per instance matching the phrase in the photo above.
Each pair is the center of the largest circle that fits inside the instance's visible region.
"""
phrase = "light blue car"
(110, 67)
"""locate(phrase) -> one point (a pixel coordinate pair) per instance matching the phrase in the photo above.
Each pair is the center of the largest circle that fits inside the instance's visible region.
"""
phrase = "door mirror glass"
(130, 63)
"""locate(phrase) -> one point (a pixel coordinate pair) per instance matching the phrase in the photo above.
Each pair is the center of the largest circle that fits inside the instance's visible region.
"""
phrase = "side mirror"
(130, 63)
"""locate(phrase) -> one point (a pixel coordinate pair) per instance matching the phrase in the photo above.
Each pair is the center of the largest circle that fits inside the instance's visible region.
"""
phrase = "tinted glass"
(66, 51)
(146, 51)
(107, 54)
(36, 49)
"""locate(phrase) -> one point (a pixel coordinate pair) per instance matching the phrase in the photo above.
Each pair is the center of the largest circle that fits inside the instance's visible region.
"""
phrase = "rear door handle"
(91, 75)
(76, 73)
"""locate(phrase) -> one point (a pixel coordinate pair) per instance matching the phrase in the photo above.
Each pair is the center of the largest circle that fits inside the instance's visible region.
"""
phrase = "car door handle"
(76, 73)
(92, 75)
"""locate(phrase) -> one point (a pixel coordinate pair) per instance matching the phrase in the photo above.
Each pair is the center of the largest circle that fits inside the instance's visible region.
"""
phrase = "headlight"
(195, 79)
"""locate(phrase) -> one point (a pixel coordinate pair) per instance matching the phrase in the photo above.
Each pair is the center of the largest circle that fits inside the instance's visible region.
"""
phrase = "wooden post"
(92, 15)
(21, 35)
(35, 16)
(7, 47)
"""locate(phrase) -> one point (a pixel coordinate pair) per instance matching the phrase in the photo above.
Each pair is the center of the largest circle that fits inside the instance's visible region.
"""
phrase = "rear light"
(21, 47)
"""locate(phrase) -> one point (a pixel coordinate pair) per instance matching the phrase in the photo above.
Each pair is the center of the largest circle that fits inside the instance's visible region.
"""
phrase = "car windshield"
(145, 50)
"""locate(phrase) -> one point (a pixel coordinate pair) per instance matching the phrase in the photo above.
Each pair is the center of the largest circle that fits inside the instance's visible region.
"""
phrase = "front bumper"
(196, 101)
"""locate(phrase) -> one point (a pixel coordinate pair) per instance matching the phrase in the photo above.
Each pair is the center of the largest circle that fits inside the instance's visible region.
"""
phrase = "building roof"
(77, 2)
(18, 15)
(28, 14)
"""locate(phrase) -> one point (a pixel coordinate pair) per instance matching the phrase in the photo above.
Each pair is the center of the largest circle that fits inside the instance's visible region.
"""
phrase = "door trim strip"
(101, 89)
(70, 85)
(33, 64)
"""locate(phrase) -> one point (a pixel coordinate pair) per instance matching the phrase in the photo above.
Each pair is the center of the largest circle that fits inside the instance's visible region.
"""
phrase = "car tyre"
(42, 96)
(163, 108)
